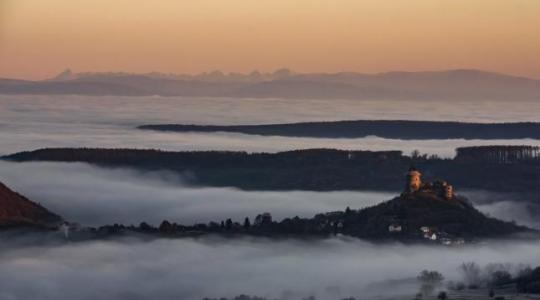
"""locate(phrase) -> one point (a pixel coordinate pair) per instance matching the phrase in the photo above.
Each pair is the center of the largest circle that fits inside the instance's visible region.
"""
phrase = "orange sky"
(39, 38)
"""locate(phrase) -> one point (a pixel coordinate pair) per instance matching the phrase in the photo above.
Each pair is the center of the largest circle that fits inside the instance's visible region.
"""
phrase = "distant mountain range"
(442, 85)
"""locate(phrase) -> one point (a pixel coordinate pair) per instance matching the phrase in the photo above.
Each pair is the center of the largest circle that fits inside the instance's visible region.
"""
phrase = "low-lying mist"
(520, 208)
(132, 268)
(213, 267)
(96, 196)
(135, 268)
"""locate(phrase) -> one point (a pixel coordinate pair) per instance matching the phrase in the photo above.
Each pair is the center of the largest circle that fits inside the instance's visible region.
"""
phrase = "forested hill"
(450, 220)
(496, 168)
(395, 129)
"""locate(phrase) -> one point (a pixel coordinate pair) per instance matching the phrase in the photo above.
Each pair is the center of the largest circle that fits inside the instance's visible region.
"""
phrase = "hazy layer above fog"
(30, 122)
(211, 267)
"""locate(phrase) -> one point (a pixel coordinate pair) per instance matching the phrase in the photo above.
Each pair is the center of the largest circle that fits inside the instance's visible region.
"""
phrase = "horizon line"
(290, 72)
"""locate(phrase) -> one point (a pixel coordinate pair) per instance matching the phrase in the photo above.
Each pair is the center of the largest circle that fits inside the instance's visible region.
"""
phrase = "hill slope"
(16, 210)
(452, 218)
(452, 221)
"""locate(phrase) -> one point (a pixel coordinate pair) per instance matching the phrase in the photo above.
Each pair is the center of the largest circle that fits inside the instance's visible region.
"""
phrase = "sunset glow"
(41, 38)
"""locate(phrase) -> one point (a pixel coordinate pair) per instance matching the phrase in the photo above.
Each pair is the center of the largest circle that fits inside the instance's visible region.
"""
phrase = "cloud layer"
(132, 268)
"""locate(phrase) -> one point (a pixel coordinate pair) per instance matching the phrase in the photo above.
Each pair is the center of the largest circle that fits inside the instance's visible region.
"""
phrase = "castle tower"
(414, 180)
(448, 192)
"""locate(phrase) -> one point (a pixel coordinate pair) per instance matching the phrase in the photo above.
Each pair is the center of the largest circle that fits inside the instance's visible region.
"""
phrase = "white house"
(394, 228)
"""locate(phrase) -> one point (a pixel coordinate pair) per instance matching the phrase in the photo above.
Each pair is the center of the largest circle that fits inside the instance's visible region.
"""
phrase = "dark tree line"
(486, 168)
(498, 154)
(529, 282)
(394, 129)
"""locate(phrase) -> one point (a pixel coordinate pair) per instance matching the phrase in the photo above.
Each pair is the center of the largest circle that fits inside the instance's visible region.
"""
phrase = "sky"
(39, 39)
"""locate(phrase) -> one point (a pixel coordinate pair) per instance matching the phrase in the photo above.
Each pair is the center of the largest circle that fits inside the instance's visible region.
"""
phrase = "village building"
(395, 228)
(429, 233)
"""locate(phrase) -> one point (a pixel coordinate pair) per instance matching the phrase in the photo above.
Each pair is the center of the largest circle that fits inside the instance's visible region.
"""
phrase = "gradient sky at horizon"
(39, 39)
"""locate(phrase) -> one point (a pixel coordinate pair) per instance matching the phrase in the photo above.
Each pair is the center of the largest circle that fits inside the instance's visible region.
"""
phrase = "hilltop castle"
(414, 185)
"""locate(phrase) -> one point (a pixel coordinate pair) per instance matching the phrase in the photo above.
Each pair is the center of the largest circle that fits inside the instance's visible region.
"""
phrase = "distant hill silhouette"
(395, 129)
(445, 85)
(16, 210)
(495, 168)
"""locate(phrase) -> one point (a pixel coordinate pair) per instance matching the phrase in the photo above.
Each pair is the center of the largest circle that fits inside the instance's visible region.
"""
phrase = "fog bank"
(96, 196)
(212, 267)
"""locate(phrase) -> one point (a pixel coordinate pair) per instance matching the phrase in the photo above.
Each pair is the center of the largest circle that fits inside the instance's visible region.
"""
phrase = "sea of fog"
(31, 122)
(132, 268)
